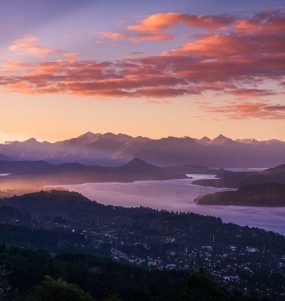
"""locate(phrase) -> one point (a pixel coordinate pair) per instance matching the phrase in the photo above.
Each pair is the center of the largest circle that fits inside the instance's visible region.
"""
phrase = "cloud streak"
(137, 38)
(250, 110)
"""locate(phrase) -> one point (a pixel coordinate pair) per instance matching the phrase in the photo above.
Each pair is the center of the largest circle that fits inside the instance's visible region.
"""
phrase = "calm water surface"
(178, 195)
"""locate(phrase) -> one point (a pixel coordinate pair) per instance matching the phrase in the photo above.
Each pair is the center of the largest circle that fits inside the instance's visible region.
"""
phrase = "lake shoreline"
(178, 196)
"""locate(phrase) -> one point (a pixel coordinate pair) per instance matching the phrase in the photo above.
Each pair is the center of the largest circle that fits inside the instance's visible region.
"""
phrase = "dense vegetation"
(236, 257)
(69, 277)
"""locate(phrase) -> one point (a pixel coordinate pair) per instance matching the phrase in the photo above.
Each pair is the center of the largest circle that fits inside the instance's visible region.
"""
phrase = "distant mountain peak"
(31, 140)
(221, 139)
(88, 135)
(205, 140)
(137, 160)
(86, 138)
(116, 136)
(138, 163)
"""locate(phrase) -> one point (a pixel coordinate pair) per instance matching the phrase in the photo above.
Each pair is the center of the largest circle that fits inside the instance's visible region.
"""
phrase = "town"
(245, 260)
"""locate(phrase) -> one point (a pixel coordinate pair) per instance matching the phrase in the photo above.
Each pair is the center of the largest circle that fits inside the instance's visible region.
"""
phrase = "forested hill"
(65, 221)
(263, 195)
(38, 276)
(264, 188)
(71, 209)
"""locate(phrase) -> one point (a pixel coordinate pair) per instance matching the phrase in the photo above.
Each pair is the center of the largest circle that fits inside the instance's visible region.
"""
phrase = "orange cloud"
(22, 87)
(10, 66)
(114, 36)
(26, 45)
(72, 55)
(250, 110)
(213, 46)
(150, 27)
(143, 36)
(247, 25)
(165, 20)
(47, 68)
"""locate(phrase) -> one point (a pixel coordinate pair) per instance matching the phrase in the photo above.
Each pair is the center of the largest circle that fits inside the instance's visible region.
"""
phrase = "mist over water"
(179, 195)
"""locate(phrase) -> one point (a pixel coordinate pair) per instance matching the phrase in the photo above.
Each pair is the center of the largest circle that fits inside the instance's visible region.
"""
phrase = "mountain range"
(113, 150)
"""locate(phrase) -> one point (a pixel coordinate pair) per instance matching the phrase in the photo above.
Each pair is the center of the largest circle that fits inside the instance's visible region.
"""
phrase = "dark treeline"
(23, 270)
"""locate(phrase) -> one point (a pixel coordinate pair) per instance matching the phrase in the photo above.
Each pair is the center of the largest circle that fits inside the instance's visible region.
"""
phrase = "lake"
(178, 195)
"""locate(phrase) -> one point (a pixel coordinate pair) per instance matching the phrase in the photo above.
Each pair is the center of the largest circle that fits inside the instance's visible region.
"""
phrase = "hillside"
(265, 195)
(102, 278)
(23, 166)
(156, 240)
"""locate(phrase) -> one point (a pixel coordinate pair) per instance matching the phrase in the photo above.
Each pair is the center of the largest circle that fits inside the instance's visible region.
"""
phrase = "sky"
(144, 68)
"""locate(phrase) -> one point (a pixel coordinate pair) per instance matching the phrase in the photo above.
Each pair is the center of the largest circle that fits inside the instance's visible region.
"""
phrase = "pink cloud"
(72, 55)
(244, 110)
(251, 93)
(247, 25)
(46, 68)
(265, 22)
(114, 36)
(26, 45)
(157, 22)
(150, 28)
(154, 36)
(135, 38)
(10, 66)
(213, 46)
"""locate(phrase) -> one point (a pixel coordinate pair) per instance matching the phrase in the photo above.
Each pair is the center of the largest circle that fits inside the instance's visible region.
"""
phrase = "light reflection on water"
(178, 195)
